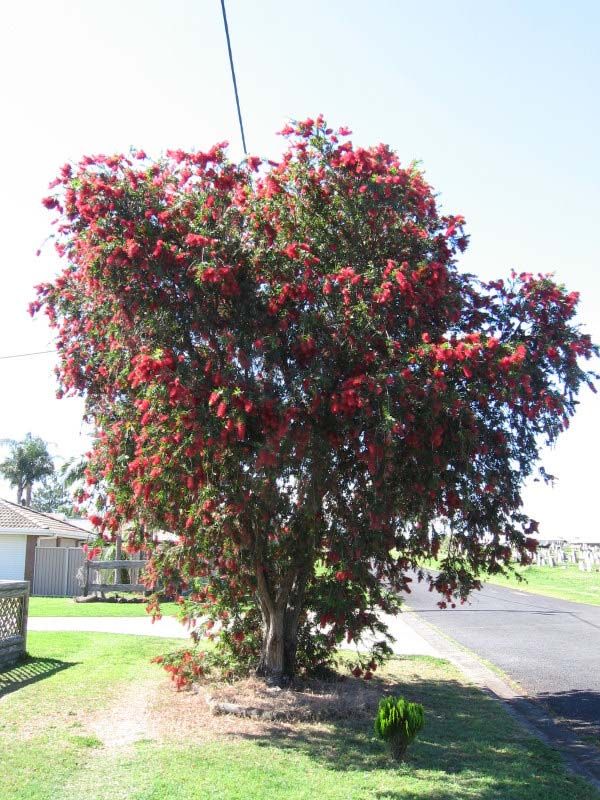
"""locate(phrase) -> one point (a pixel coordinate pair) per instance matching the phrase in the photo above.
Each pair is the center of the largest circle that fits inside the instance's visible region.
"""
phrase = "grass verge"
(67, 607)
(564, 583)
(61, 738)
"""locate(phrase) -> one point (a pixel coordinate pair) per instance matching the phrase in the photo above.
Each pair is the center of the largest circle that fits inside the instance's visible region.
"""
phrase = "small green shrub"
(397, 722)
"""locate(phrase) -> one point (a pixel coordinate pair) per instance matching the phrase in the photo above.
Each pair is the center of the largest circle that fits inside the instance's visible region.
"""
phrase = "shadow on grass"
(468, 739)
(30, 670)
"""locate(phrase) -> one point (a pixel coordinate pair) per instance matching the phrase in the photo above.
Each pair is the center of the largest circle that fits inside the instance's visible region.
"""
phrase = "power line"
(235, 89)
(239, 112)
(26, 355)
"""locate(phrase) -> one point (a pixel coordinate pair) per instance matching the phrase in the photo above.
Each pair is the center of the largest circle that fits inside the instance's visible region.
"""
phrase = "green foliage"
(398, 721)
(52, 496)
(27, 462)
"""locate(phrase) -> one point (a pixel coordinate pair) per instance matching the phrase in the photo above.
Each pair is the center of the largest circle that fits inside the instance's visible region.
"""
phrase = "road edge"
(580, 758)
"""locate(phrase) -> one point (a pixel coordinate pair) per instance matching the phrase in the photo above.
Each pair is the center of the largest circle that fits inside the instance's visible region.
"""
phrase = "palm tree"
(28, 461)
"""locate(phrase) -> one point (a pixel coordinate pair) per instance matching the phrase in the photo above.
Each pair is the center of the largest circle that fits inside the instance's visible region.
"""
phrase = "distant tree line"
(32, 471)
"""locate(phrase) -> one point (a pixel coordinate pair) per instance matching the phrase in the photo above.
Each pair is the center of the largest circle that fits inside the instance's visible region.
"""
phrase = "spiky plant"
(398, 721)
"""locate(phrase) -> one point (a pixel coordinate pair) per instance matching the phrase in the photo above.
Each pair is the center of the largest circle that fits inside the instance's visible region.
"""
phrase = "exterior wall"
(64, 541)
(30, 557)
(13, 548)
(60, 541)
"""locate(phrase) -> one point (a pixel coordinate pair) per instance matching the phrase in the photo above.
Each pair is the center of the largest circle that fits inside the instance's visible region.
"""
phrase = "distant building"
(22, 530)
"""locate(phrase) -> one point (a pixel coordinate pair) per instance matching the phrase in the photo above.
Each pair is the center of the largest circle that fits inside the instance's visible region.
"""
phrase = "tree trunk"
(121, 575)
(280, 624)
(272, 664)
(290, 640)
(28, 488)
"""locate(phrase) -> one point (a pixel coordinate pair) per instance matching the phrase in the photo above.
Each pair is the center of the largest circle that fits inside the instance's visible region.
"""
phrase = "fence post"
(86, 583)
(66, 578)
(25, 616)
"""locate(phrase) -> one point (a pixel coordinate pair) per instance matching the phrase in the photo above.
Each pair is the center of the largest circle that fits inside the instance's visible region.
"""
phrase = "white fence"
(58, 571)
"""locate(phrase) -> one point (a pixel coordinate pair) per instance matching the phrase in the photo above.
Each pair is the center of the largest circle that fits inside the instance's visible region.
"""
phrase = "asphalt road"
(550, 647)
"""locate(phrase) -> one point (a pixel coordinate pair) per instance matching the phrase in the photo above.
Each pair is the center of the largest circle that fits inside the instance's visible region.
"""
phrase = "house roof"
(20, 519)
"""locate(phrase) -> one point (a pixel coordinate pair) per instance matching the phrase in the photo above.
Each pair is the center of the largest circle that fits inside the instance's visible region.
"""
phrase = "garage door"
(12, 556)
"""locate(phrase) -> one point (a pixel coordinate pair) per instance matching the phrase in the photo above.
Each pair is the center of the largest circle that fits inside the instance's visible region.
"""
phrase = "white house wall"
(12, 556)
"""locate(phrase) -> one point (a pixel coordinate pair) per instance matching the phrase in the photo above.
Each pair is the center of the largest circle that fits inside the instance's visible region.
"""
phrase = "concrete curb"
(581, 759)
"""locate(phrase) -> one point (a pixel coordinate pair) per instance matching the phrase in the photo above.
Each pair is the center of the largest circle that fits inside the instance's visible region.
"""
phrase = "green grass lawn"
(67, 607)
(566, 583)
(470, 748)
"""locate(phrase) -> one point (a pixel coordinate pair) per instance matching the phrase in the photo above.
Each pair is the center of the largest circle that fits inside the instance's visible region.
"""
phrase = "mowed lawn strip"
(470, 748)
(564, 582)
(67, 607)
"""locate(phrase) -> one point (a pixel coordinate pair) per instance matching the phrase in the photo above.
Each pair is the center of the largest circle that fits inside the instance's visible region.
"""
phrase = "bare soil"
(157, 711)
(192, 713)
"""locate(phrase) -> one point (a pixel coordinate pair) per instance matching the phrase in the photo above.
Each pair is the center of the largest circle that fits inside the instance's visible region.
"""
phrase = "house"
(22, 530)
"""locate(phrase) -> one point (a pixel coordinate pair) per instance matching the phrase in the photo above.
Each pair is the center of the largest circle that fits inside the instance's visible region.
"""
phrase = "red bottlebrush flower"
(292, 251)
(196, 240)
(520, 353)
(132, 248)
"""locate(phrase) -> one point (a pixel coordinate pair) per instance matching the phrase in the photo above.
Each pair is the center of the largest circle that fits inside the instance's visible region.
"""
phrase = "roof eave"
(47, 533)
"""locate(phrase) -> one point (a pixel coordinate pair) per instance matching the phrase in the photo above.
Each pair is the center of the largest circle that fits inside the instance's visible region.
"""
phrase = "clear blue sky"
(498, 100)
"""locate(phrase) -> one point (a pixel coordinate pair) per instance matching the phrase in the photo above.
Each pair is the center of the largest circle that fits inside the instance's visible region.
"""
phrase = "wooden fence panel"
(95, 569)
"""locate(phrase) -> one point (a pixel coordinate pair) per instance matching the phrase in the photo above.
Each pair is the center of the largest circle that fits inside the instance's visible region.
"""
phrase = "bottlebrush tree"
(286, 368)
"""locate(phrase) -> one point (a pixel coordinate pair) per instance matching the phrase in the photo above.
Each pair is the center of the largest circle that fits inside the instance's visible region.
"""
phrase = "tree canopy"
(286, 368)
(53, 495)
(27, 463)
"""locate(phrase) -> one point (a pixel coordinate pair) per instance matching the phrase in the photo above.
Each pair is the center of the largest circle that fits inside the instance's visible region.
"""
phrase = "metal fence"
(58, 571)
